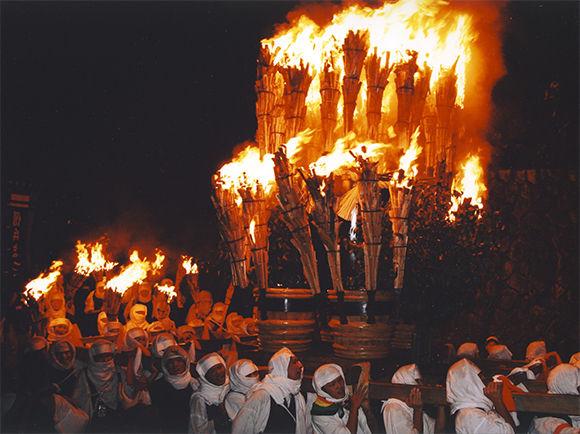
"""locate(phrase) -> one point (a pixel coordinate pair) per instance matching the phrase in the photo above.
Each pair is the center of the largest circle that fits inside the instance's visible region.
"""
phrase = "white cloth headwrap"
(138, 315)
(277, 383)
(465, 388)
(36, 343)
(160, 343)
(575, 359)
(103, 374)
(468, 349)
(238, 380)
(62, 346)
(102, 320)
(536, 350)
(564, 379)
(53, 335)
(212, 393)
(51, 312)
(112, 328)
(324, 375)
(500, 352)
(407, 374)
(129, 341)
(182, 380)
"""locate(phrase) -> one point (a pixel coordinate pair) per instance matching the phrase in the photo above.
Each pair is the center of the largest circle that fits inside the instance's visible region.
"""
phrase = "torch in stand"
(265, 84)
(445, 95)
(231, 229)
(355, 48)
(377, 80)
(324, 204)
(422, 80)
(256, 217)
(330, 94)
(372, 225)
(293, 208)
(404, 80)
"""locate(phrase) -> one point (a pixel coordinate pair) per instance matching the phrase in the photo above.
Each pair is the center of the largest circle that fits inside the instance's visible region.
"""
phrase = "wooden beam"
(530, 402)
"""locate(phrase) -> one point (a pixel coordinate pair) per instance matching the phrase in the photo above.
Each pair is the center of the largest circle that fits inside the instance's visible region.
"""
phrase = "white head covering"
(101, 321)
(324, 375)
(100, 290)
(129, 341)
(160, 343)
(465, 388)
(564, 379)
(212, 393)
(53, 335)
(468, 349)
(138, 317)
(36, 343)
(238, 380)
(62, 346)
(500, 352)
(51, 312)
(103, 374)
(407, 374)
(185, 333)
(182, 380)
(277, 383)
(535, 350)
(112, 328)
(575, 360)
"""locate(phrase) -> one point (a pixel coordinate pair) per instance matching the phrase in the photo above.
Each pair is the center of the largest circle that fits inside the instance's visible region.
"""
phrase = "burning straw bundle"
(400, 204)
(293, 208)
(372, 216)
(429, 123)
(330, 94)
(326, 221)
(377, 80)
(421, 91)
(355, 49)
(232, 231)
(256, 218)
(445, 94)
(404, 73)
(265, 84)
(297, 81)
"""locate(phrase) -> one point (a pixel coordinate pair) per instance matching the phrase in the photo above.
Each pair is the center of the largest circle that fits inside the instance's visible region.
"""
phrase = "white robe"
(547, 425)
(398, 418)
(477, 421)
(337, 425)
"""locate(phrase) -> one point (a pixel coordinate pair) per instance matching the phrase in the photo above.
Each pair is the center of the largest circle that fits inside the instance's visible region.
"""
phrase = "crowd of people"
(141, 373)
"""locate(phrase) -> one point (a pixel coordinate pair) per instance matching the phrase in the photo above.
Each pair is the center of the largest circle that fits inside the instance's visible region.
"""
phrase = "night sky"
(119, 113)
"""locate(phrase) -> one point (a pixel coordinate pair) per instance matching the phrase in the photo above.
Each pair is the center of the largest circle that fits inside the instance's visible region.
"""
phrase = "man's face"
(163, 311)
(335, 388)
(65, 357)
(294, 369)
(142, 340)
(56, 303)
(176, 366)
(60, 329)
(216, 374)
(103, 357)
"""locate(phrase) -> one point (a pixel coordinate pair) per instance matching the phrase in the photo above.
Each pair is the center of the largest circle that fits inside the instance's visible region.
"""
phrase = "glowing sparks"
(91, 259)
(188, 266)
(168, 291)
(38, 287)
(469, 183)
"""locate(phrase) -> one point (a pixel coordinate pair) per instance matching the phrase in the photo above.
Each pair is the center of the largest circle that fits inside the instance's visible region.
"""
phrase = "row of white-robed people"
(66, 395)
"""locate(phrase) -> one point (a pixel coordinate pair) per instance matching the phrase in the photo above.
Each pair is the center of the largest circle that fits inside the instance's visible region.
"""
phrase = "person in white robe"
(243, 376)
(480, 409)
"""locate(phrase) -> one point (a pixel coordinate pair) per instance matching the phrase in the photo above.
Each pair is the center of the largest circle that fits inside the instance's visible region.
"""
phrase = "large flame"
(469, 183)
(91, 259)
(134, 273)
(38, 287)
(168, 291)
(407, 170)
(188, 266)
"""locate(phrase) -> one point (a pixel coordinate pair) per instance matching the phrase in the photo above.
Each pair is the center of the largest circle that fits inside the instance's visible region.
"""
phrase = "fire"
(38, 287)
(470, 186)
(408, 170)
(251, 230)
(91, 258)
(134, 273)
(158, 264)
(188, 266)
(168, 290)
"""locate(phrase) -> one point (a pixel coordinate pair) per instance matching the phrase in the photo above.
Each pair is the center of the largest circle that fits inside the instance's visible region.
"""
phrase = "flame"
(251, 230)
(94, 260)
(134, 273)
(407, 170)
(168, 290)
(188, 266)
(469, 183)
(38, 287)
(158, 264)
(438, 34)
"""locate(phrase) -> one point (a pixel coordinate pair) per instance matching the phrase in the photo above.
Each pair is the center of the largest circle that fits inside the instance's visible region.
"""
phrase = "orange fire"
(469, 183)
(91, 258)
(408, 170)
(169, 291)
(38, 287)
(134, 273)
(188, 266)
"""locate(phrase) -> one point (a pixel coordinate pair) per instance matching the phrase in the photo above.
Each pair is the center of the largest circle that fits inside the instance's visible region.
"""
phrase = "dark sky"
(120, 112)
